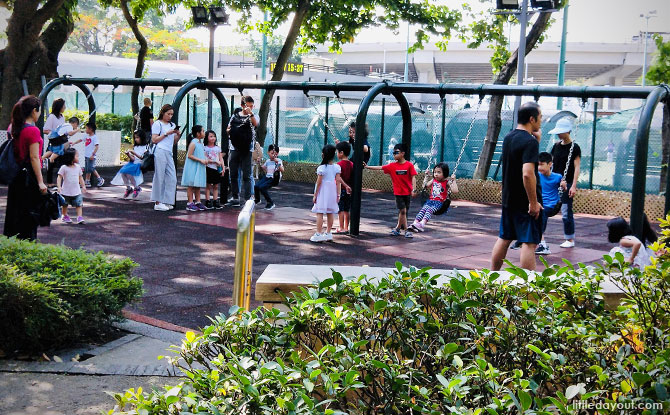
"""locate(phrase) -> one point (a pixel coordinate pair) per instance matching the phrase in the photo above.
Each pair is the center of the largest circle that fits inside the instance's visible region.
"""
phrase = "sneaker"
(170, 207)
(413, 227)
(327, 237)
(127, 192)
(217, 205)
(66, 219)
(568, 244)
(200, 206)
(136, 192)
(100, 182)
(317, 237)
(88, 183)
(162, 207)
(395, 232)
(191, 207)
(420, 227)
(208, 204)
(516, 245)
(80, 220)
(235, 203)
(409, 234)
(542, 249)
(272, 206)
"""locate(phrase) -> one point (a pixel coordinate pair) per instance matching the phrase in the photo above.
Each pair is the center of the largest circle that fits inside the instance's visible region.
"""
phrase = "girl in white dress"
(326, 194)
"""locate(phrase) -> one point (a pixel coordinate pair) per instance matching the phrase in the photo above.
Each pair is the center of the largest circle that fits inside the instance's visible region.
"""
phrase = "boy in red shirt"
(403, 177)
(347, 167)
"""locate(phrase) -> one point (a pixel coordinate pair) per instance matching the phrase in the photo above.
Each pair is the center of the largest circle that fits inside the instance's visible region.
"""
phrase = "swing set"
(652, 96)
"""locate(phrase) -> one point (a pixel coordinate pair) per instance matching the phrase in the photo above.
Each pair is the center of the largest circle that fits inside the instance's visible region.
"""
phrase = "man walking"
(521, 193)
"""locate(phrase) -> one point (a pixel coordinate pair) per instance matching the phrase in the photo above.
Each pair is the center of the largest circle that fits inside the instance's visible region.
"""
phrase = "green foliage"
(412, 343)
(659, 71)
(274, 46)
(107, 122)
(52, 296)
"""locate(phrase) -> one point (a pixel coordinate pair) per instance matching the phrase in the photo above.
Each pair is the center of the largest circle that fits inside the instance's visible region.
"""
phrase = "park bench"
(282, 279)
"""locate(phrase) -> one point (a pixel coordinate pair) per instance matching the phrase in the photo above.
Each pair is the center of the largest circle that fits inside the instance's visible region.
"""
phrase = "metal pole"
(406, 77)
(521, 61)
(644, 58)
(593, 143)
(210, 98)
(188, 109)
(444, 116)
(113, 96)
(325, 127)
(76, 100)
(195, 110)
(152, 102)
(561, 59)
(381, 134)
(244, 255)
(277, 123)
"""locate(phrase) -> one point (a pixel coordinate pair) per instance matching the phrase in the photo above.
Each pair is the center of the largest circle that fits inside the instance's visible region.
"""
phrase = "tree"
(659, 73)
(274, 46)
(32, 49)
(337, 22)
(491, 29)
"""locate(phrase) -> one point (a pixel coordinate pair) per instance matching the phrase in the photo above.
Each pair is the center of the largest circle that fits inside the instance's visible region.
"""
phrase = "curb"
(140, 318)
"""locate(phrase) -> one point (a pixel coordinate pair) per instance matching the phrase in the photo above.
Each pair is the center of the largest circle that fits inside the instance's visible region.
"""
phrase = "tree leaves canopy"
(659, 71)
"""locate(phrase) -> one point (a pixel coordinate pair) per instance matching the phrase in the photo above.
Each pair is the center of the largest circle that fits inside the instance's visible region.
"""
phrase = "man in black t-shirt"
(146, 117)
(521, 217)
(561, 153)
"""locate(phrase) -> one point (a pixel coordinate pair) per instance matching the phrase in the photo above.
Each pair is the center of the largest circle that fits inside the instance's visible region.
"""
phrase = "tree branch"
(47, 11)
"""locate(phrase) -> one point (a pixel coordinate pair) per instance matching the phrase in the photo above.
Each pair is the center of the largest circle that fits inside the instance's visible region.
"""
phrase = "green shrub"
(108, 122)
(53, 296)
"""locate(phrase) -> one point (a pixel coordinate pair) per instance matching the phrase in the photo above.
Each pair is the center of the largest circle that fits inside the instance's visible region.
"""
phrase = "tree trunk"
(503, 78)
(25, 53)
(665, 143)
(141, 55)
(278, 74)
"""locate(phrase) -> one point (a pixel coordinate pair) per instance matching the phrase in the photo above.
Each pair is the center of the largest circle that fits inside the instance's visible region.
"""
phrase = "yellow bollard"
(244, 251)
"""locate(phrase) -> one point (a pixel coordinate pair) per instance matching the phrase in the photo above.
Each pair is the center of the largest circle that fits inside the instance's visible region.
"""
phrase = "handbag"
(9, 167)
(148, 160)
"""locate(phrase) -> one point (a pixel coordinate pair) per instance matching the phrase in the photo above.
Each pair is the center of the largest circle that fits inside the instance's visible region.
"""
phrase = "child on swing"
(440, 188)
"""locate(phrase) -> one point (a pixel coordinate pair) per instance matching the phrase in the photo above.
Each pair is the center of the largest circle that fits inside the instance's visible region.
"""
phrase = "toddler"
(264, 184)
(215, 170)
(71, 184)
(131, 175)
(630, 246)
(194, 175)
(90, 152)
(326, 194)
(347, 167)
(55, 150)
(440, 189)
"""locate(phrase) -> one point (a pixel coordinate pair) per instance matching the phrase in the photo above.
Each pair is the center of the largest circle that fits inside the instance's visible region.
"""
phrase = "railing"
(244, 251)
(319, 68)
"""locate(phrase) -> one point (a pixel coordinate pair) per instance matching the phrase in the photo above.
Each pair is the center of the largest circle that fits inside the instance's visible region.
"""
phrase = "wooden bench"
(284, 279)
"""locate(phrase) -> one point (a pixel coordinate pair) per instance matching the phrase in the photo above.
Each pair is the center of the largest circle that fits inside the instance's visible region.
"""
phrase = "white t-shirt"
(643, 257)
(328, 171)
(90, 143)
(212, 153)
(139, 150)
(53, 122)
(160, 128)
(63, 129)
(71, 174)
(271, 166)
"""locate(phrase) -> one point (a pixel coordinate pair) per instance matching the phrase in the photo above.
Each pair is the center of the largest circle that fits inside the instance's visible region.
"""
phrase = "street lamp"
(649, 15)
(212, 17)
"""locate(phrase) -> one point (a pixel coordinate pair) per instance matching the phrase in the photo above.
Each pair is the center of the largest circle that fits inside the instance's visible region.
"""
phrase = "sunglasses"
(397, 152)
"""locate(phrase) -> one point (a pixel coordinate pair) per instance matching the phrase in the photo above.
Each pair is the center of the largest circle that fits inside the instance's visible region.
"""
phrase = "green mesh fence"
(301, 133)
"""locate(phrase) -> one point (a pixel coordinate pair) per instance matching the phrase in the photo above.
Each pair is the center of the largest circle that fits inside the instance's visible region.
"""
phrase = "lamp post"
(648, 16)
(406, 77)
(212, 17)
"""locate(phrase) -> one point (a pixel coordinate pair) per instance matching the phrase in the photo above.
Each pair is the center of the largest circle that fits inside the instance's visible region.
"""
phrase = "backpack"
(9, 167)
(241, 133)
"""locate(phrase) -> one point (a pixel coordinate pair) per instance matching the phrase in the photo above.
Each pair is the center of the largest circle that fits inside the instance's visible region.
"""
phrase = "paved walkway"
(187, 258)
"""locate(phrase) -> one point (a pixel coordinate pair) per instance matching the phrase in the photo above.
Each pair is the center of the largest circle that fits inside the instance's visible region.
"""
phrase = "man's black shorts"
(402, 202)
(345, 201)
(519, 225)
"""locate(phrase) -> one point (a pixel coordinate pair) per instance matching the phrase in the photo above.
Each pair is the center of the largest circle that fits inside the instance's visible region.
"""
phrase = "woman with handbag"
(25, 193)
(164, 135)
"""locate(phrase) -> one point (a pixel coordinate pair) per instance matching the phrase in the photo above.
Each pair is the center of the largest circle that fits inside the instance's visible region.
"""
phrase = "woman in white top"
(164, 134)
(56, 118)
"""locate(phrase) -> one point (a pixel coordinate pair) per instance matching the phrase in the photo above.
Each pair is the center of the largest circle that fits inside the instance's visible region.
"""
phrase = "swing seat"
(444, 208)
(553, 211)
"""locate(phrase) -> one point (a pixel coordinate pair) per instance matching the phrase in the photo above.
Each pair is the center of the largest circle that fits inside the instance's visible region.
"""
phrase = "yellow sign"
(290, 67)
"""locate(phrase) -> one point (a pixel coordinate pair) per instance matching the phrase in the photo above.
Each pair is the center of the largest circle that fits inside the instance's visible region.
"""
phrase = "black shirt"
(366, 154)
(560, 153)
(519, 147)
(145, 118)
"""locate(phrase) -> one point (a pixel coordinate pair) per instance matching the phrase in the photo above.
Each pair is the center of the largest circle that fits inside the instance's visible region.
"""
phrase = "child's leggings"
(428, 209)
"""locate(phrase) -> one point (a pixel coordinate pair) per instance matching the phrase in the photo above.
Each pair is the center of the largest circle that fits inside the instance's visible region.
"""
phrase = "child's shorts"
(345, 201)
(57, 149)
(213, 176)
(89, 167)
(402, 201)
(74, 201)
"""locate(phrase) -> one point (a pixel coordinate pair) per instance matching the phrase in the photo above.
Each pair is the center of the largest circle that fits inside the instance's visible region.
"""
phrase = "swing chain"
(467, 135)
(323, 120)
(433, 148)
(572, 147)
(346, 117)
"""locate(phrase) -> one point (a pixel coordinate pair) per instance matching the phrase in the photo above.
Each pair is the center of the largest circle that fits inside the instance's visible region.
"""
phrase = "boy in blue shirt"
(550, 183)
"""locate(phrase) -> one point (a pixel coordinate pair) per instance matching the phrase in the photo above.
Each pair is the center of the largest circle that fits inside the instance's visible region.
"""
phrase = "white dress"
(643, 257)
(326, 200)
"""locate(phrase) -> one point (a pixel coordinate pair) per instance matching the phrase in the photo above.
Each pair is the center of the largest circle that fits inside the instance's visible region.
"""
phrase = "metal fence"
(302, 132)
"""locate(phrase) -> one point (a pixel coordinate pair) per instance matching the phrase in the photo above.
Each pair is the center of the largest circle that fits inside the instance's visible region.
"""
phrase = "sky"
(606, 21)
